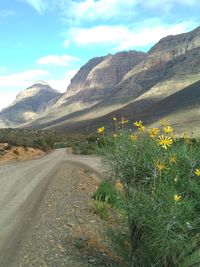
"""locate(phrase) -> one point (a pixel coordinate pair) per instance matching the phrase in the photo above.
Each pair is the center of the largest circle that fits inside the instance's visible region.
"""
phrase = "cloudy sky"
(51, 39)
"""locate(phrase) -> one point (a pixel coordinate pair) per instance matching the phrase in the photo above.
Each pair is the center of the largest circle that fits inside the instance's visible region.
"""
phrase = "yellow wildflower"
(167, 129)
(160, 166)
(124, 121)
(133, 137)
(165, 141)
(114, 118)
(138, 123)
(141, 128)
(101, 130)
(173, 159)
(114, 135)
(177, 198)
(153, 132)
(197, 172)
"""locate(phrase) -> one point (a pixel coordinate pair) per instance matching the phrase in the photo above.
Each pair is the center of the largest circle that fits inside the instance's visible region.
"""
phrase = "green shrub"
(46, 140)
(106, 190)
(101, 207)
(161, 180)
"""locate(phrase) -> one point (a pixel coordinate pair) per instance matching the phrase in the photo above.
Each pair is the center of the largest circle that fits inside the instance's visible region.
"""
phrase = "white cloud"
(6, 98)
(167, 5)
(54, 60)
(121, 37)
(99, 35)
(103, 10)
(93, 10)
(21, 79)
(62, 85)
(38, 5)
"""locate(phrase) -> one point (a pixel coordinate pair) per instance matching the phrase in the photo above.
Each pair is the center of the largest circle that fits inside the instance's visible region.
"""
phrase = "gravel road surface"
(22, 188)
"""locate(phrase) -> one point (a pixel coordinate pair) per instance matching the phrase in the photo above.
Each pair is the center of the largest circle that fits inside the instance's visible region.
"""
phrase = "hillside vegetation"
(47, 140)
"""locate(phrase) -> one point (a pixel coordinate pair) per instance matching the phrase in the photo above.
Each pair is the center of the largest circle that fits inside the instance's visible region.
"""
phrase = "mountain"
(29, 104)
(93, 83)
(158, 64)
(133, 84)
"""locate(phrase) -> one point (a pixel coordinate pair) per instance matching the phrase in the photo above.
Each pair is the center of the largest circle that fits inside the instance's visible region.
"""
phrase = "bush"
(101, 207)
(107, 191)
(161, 180)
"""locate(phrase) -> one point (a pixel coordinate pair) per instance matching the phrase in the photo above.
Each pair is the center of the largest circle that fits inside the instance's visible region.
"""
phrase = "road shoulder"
(64, 231)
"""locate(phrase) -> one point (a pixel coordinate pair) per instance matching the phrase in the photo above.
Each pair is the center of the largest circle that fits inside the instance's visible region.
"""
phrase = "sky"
(51, 39)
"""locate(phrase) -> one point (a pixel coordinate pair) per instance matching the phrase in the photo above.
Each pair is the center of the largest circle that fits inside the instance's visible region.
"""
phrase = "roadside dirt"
(64, 231)
(19, 154)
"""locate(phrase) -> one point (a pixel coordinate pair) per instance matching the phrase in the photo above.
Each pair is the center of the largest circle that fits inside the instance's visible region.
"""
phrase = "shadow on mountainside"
(183, 101)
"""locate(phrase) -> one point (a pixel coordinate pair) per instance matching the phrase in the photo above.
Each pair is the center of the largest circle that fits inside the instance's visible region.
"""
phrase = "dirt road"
(22, 187)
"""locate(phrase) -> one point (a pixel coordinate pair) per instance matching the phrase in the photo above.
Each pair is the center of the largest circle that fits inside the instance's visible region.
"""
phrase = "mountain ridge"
(110, 83)
(28, 104)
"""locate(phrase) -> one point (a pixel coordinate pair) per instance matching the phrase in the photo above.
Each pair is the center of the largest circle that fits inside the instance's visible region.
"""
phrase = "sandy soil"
(20, 154)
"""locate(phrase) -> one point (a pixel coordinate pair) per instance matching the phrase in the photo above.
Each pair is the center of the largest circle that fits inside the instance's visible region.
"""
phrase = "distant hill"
(29, 104)
(148, 86)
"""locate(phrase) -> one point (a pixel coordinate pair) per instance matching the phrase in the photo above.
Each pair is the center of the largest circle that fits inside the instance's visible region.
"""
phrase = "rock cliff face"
(173, 46)
(79, 80)
(97, 79)
(29, 104)
(170, 66)
(157, 65)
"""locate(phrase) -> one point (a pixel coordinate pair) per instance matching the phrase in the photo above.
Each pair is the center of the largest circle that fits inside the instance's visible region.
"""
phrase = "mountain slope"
(98, 82)
(157, 63)
(181, 108)
(94, 82)
(171, 65)
(131, 84)
(28, 104)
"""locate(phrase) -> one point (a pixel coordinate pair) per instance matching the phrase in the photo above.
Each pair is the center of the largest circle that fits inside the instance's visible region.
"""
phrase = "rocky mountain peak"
(97, 78)
(29, 103)
(78, 81)
(38, 87)
(176, 45)
(167, 49)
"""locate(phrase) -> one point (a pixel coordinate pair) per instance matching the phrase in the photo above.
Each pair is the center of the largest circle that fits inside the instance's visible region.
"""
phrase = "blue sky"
(51, 39)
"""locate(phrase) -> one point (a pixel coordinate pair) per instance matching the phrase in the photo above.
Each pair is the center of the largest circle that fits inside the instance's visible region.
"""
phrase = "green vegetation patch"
(46, 140)
(160, 176)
